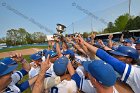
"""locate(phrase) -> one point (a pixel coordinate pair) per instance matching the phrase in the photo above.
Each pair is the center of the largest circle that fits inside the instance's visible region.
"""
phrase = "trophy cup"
(60, 28)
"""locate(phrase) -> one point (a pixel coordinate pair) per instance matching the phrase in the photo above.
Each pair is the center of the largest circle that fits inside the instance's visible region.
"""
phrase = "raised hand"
(17, 57)
(101, 42)
(93, 35)
(68, 40)
(57, 39)
(46, 65)
(81, 40)
(110, 36)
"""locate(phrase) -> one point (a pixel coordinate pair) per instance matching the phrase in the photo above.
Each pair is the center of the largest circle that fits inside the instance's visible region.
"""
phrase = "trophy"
(60, 28)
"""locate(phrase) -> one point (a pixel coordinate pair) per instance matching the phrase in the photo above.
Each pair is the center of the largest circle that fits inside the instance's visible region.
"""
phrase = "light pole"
(129, 7)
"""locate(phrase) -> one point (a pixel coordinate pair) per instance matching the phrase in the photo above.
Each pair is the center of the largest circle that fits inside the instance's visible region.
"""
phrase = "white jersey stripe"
(125, 71)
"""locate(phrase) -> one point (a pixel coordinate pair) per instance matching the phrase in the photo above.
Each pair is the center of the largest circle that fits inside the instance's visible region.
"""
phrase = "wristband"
(23, 60)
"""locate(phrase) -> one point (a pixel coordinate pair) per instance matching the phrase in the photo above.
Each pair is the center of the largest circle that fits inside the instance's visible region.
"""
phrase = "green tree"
(137, 22)
(110, 28)
(130, 24)
(11, 37)
(29, 38)
(133, 24)
(121, 21)
(21, 36)
(16, 37)
(38, 37)
(85, 35)
(22, 33)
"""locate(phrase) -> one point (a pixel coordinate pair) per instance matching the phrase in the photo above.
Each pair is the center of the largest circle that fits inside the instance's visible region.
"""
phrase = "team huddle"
(75, 65)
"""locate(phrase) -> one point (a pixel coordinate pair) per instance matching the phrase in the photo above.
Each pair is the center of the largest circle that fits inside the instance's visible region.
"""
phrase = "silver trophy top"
(60, 28)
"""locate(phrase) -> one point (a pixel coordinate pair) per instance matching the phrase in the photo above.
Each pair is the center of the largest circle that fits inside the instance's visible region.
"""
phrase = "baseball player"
(128, 41)
(62, 83)
(130, 73)
(35, 64)
(37, 60)
(87, 85)
(9, 79)
(38, 86)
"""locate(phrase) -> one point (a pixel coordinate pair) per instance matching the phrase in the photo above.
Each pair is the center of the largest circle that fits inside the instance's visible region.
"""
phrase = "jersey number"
(54, 90)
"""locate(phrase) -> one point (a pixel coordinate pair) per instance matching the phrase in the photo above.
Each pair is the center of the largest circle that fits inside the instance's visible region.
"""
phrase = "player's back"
(65, 87)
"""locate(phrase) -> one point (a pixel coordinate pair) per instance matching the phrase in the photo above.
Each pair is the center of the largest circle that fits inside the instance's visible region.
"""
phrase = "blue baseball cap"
(60, 65)
(101, 71)
(44, 51)
(8, 61)
(114, 47)
(138, 41)
(127, 41)
(7, 65)
(125, 51)
(51, 53)
(40, 53)
(35, 56)
(68, 52)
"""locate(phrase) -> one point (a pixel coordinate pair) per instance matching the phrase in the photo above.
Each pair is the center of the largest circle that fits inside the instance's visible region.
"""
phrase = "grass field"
(20, 48)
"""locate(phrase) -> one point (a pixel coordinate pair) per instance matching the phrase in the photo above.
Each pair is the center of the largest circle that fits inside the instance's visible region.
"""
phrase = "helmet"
(126, 51)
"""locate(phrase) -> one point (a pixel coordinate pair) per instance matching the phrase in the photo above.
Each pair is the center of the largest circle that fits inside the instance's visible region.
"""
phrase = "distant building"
(117, 35)
(3, 45)
(50, 40)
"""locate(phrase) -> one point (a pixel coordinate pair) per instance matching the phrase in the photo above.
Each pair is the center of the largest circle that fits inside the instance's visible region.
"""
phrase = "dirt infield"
(24, 52)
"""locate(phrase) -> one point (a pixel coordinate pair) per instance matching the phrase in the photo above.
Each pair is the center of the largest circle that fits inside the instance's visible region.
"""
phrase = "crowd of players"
(75, 65)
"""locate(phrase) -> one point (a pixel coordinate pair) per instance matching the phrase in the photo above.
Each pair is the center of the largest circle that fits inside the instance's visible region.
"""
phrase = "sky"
(43, 15)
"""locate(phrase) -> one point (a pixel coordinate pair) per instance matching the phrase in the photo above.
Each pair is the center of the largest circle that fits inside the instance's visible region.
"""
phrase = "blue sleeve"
(24, 72)
(118, 65)
(77, 79)
(18, 75)
(23, 86)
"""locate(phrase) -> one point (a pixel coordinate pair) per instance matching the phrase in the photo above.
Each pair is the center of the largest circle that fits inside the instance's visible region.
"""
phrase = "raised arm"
(119, 66)
(84, 49)
(19, 58)
(58, 48)
(122, 38)
(75, 45)
(103, 45)
(110, 44)
(23, 86)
